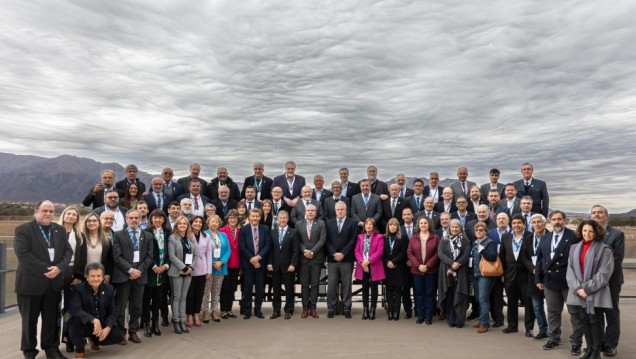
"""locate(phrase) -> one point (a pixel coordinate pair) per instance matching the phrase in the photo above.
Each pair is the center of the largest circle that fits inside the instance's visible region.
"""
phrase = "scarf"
(455, 245)
(592, 259)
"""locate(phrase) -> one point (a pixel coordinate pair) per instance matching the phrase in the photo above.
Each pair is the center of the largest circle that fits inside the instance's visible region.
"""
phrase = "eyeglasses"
(108, 219)
(112, 197)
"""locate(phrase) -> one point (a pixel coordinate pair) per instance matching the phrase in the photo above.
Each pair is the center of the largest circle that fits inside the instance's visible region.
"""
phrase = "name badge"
(52, 254)
(258, 196)
(534, 260)
(217, 252)
(470, 262)
(551, 255)
(135, 256)
(480, 248)
(188, 258)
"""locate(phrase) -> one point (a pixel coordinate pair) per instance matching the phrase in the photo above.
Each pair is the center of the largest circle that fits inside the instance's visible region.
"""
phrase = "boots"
(177, 327)
(155, 327)
(372, 314)
(389, 315)
(184, 328)
(147, 330)
(365, 313)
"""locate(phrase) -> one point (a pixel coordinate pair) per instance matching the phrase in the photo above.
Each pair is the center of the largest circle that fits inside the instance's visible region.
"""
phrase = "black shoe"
(408, 315)
(473, 315)
(177, 328)
(155, 328)
(347, 314)
(147, 331)
(540, 336)
(31, 354)
(428, 321)
(610, 352)
(184, 329)
(509, 330)
(529, 333)
(258, 314)
(497, 324)
(70, 348)
(550, 345)
(576, 350)
(164, 322)
(247, 316)
(396, 316)
(372, 314)
(331, 314)
(419, 321)
(55, 354)
(365, 314)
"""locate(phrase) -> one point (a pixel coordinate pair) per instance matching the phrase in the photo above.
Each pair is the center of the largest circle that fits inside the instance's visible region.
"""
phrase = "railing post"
(3, 275)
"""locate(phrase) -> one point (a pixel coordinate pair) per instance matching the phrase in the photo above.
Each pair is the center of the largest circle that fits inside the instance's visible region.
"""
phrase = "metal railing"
(3, 276)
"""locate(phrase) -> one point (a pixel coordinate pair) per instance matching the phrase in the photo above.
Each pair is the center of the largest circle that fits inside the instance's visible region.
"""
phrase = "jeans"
(425, 288)
(539, 313)
(483, 286)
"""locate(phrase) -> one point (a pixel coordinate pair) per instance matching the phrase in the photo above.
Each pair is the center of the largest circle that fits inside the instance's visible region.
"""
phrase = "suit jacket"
(615, 239)
(152, 203)
(408, 192)
(457, 189)
(515, 207)
(493, 234)
(177, 257)
(282, 207)
(222, 210)
(123, 256)
(379, 187)
(97, 199)
(315, 243)
(329, 207)
(265, 187)
(82, 304)
(212, 189)
(121, 185)
(204, 199)
(352, 189)
(386, 212)
(412, 203)
(470, 228)
(33, 258)
(360, 212)
(298, 212)
(439, 207)
(185, 184)
(514, 269)
(551, 270)
(397, 255)
(427, 192)
(471, 207)
(281, 257)
(81, 257)
(538, 191)
(173, 189)
(343, 241)
(102, 209)
(281, 181)
(527, 252)
(246, 245)
(469, 217)
(324, 193)
(376, 249)
(485, 188)
(155, 279)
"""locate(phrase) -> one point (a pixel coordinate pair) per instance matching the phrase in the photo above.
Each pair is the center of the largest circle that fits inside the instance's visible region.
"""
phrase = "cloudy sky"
(410, 86)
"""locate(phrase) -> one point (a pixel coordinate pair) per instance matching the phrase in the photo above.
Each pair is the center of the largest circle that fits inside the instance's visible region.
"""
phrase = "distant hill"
(64, 178)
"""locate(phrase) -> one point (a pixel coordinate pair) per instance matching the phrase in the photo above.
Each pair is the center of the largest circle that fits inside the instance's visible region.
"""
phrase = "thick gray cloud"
(410, 86)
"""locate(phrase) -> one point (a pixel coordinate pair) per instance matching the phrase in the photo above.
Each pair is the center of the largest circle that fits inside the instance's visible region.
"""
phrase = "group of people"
(187, 245)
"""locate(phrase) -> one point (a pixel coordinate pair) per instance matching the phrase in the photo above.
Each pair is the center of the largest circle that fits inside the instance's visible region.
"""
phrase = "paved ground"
(331, 338)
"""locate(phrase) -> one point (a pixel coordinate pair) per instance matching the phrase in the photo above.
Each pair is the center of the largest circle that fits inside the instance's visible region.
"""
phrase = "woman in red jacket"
(422, 254)
(369, 265)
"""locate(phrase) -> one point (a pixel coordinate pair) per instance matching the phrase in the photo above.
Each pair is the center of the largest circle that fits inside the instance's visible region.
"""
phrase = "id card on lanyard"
(49, 245)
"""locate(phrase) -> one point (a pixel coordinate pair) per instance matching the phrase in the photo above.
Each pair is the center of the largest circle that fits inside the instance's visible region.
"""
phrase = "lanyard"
(187, 243)
(516, 245)
(47, 236)
(257, 184)
(391, 242)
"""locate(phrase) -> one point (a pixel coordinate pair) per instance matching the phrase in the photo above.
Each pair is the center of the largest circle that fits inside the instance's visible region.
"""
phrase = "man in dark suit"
(282, 263)
(131, 177)
(222, 179)
(93, 312)
(313, 235)
(278, 204)
(157, 198)
(516, 277)
(615, 239)
(254, 243)
(349, 189)
(250, 198)
(408, 229)
(132, 255)
(392, 207)
(319, 193)
(403, 192)
(511, 203)
(341, 240)
(378, 187)
(432, 189)
(525, 207)
(290, 183)
(550, 271)
(416, 201)
(224, 203)
(365, 205)
(462, 213)
(447, 204)
(112, 205)
(475, 199)
(329, 203)
(194, 194)
(95, 196)
(43, 253)
(493, 184)
(537, 189)
(261, 183)
(496, 294)
(195, 170)
(444, 225)
(493, 205)
(429, 212)
(298, 212)
(170, 187)
(462, 185)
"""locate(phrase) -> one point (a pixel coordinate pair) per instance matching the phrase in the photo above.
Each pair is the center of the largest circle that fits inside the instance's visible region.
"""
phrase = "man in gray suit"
(535, 188)
(313, 235)
(493, 184)
(329, 203)
(462, 186)
(365, 205)
(616, 240)
(298, 211)
(510, 201)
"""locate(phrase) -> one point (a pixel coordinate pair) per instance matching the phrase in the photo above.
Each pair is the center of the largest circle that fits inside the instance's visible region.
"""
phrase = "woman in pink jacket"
(369, 266)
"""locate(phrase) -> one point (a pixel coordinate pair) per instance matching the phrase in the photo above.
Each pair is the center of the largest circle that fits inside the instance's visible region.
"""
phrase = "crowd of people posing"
(449, 249)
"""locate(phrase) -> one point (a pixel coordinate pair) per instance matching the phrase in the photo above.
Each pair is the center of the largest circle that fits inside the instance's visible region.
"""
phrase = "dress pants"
(253, 277)
(590, 324)
(155, 298)
(278, 279)
(425, 288)
(393, 298)
(31, 306)
(195, 295)
(78, 331)
(497, 301)
(613, 319)
(554, 300)
(180, 286)
(339, 273)
(309, 279)
(515, 291)
(129, 294)
(372, 286)
(228, 289)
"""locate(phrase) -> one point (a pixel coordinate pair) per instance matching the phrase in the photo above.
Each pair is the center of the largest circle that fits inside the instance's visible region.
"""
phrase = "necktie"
(428, 214)
(249, 206)
(409, 231)
(255, 237)
(339, 225)
(196, 203)
(402, 193)
(556, 243)
(527, 186)
(306, 203)
(526, 216)
(366, 200)
(276, 208)
(280, 238)
(309, 230)
(158, 200)
(135, 241)
(392, 206)
(492, 213)
(464, 187)
(417, 201)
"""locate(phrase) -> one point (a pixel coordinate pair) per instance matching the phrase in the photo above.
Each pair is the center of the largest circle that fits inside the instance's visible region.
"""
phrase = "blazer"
(123, 256)
(414, 253)
(285, 251)
(485, 188)
(97, 199)
(121, 185)
(298, 212)
(329, 207)
(514, 269)
(204, 199)
(408, 192)
(281, 181)
(324, 193)
(155, 279)
(434, 217)
(264, 188)
(315, 243)
(457, 189)
(222, 210)
(81, 257)
(397, 256)
(551, 270)
(82, 304)
(212, 189)
(185, 184)
(177, 257)
(102, 209)
(615, 239)
(173, 189)
(246, 245)
(343, 241)
(469, 217)
(471, 206)
(493, 233)
(516, 207)
(33, 258)
(360, 212)
(439, 207)
(352, 189)
(412, 203)
(427, 192)
(376, 249)
(235, 252)
(386, 212)
(226, 252)
(538, 191)
(204, 255)
(379, 187)
(152, 203)
(470, 228)
(527, 252)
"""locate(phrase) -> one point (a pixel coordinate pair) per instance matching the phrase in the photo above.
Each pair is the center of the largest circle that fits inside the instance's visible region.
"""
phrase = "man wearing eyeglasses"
(112, 205)
(170, 187)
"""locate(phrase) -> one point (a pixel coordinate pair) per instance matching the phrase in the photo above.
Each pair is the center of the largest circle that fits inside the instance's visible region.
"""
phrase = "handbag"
(490, 269)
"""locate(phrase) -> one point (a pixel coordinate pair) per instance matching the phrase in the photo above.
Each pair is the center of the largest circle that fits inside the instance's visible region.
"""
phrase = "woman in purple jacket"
(369, 266)
(202, 271)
